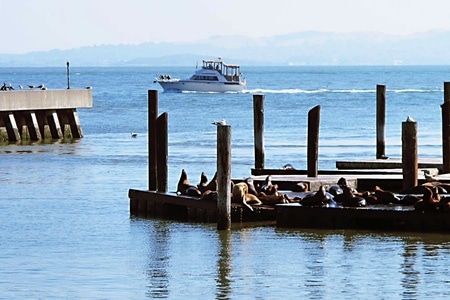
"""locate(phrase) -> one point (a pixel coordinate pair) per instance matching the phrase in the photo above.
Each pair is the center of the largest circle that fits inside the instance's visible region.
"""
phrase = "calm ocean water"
(66, 232)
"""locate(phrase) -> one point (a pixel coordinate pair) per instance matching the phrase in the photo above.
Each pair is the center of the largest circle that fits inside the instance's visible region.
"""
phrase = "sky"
(43, 25)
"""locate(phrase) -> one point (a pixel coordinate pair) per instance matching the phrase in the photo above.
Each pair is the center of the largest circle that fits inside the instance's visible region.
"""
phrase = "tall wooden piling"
(313, 141)
(152, 141)
(162, 151)
(381, 120)
(409, 153)
(258, 128)
(223, 177)
(445, 107)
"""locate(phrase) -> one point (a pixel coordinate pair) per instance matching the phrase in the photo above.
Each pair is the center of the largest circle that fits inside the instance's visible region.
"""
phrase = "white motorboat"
(214, 76)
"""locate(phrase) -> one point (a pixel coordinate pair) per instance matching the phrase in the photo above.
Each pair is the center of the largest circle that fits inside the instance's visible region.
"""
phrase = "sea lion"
(370, 198)
(429, 202)
(386, 197)
(287, 167)
(251, 186)
(335, 190)
(319, 198)
(409, 199)
(350, 199)
(203, 182)
(267, 185)
(273, 199)
(185, 188)
(240, 195)
(300, 187)
(209, 195)
(212, 185)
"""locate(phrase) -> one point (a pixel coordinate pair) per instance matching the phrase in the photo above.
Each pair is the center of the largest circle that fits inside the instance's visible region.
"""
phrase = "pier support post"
(258, 128)
(223, 177)
(313, 141)
(35, 132)
(14, 129)
(409, 154)
(75, 124)
(445, 107)
(162, 151)
(381, 120)
(55, 126)
(152, 158)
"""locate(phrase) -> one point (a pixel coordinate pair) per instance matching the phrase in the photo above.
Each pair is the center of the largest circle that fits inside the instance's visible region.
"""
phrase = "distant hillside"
(302, 48)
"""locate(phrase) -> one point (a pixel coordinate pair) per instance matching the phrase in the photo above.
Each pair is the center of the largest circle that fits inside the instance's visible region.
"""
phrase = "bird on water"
(133, 134)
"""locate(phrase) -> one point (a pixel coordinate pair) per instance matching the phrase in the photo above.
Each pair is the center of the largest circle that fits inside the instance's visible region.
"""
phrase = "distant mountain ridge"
(301, 48)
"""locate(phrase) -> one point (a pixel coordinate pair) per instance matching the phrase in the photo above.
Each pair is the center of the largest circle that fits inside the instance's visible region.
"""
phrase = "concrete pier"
(33, 115)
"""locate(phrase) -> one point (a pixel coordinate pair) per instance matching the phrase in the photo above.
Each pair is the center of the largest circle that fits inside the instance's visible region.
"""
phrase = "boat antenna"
(196, 65)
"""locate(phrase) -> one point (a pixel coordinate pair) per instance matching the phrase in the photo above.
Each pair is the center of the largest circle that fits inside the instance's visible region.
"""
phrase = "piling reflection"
(223, 290)
(411, 276)
(158, 260)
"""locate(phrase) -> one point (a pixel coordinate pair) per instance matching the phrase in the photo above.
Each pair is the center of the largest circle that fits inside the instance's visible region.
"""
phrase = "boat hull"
(211, 86)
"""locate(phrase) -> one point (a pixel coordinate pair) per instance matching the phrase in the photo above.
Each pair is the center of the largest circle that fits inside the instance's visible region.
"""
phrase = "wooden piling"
(223, 177)
(258, 128)
(381, 120)
(445, 107)
(409, 154)
(162, 151)
(313, 141)
(152, 158)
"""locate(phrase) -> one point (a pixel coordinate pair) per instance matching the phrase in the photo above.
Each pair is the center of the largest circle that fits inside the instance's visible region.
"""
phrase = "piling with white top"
(223, 177)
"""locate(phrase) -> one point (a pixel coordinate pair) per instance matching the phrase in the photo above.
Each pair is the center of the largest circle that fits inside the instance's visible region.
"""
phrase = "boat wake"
(343, 91)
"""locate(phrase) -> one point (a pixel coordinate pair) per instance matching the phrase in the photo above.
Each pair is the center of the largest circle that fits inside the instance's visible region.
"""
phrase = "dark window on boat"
(206, 78)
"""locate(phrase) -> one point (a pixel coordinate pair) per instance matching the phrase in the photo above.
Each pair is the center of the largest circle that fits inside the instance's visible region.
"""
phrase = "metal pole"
(68, 75)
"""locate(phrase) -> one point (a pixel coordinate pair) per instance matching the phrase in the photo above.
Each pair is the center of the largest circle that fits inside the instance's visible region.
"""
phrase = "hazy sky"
(35, 25)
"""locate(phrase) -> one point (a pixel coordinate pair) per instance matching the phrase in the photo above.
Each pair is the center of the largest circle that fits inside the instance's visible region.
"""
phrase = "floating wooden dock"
(375, 217)
(34, 115)
(148, 204)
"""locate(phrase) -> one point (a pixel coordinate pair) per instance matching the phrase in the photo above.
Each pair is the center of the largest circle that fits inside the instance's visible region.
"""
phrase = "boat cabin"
(230, 72)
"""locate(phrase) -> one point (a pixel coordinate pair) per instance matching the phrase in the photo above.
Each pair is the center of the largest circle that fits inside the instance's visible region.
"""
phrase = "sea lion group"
(244, 192)
(430, 196)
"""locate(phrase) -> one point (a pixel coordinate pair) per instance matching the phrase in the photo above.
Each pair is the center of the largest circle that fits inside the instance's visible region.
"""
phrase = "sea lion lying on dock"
(185, 188)
(240, 195)
(350, 199)
(319, 198)
(386, 197)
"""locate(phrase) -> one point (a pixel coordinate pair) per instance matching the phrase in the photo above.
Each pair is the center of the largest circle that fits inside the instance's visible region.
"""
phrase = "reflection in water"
(411, 277)
(224, 265)
(158, 260)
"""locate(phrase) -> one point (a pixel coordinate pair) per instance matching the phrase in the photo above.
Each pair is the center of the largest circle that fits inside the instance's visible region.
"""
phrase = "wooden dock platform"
(148, 204)
(385, 164)
(375, 217)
